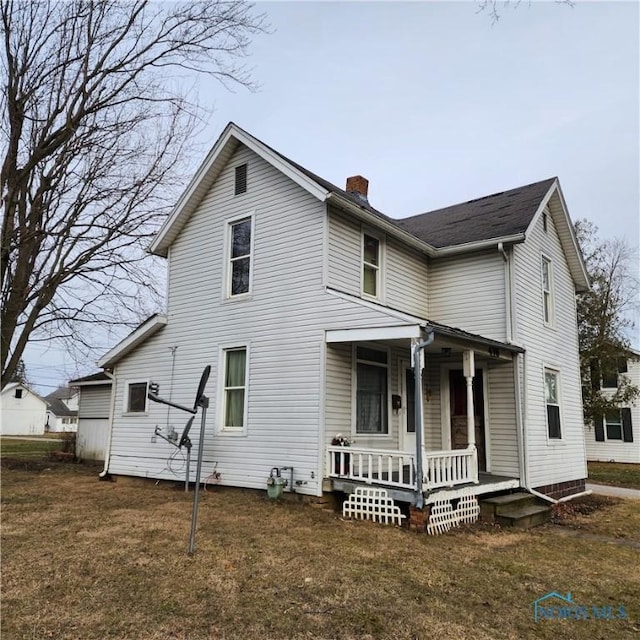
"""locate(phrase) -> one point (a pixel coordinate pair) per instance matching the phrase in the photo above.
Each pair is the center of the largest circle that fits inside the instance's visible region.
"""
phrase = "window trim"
(605, 425)
(380, 268)
(222, 390)
(550, 321)
(354, 390)
(125, 397)
(555, 370)
(227, 269)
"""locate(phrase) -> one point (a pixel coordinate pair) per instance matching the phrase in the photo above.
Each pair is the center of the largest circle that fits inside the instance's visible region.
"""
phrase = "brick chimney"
(358, 186)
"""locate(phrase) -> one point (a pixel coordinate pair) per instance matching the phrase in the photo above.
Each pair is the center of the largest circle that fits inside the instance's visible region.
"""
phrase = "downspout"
(104, 474)
(417, 377)
(507, 294)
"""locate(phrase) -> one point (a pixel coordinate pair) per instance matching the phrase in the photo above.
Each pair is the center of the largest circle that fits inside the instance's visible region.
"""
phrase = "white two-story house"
(443, 346)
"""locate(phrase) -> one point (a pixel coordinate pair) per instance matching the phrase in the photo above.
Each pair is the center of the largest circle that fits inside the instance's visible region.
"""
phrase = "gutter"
(104, 474)
(417, 377)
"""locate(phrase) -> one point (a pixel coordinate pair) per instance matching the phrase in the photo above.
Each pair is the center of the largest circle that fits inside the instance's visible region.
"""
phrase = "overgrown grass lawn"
(84, 559)
(28, 448)
(615, 473)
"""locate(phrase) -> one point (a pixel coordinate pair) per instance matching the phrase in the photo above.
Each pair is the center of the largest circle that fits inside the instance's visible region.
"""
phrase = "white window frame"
(556, 371)
(606, 432)
(125, 399)
(548, 301)
(222, 390)
(227, 270)
(354, 390)
(380, 267)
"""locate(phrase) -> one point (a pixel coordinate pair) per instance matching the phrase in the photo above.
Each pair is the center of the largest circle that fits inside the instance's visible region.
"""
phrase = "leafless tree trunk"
(95, 123)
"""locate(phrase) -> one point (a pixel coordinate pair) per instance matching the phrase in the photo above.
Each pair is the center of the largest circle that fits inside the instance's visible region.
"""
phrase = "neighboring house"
(615, 437)
(309, 305)
(62, 410)
(22, 411)
(93, 415)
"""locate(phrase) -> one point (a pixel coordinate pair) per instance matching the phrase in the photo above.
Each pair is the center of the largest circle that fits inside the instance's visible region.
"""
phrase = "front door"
(458, 403)
(408, 394)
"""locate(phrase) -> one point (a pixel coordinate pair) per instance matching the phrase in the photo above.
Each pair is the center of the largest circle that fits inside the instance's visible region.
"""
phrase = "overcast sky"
(436, 105)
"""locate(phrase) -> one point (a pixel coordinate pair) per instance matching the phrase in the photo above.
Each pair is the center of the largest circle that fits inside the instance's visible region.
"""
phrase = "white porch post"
(469, 370)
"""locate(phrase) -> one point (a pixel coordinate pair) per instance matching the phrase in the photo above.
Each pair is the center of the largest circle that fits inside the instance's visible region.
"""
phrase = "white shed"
(22, 411)
(93, 415)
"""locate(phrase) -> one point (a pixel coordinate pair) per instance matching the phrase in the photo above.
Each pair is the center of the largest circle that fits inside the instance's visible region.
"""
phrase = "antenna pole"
(204, 403)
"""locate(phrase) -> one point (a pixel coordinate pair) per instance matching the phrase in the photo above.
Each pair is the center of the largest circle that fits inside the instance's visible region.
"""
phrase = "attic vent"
(544, 220)
(241, 179)
(18, 394)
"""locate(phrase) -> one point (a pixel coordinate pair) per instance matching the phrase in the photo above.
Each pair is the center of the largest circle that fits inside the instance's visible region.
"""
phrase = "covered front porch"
(430, 410)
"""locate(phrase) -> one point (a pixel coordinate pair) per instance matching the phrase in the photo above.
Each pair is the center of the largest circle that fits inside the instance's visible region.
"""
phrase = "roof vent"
(358, 186)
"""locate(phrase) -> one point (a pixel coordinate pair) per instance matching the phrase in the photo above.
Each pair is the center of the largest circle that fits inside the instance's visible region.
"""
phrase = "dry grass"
(617, 474)
(84, 559)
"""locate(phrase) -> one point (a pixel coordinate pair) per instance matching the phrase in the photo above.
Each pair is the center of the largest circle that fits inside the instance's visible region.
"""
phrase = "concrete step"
(524, 517)
(492, 507)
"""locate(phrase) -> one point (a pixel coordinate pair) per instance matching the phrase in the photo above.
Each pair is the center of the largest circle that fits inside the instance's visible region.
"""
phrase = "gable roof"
(499, 215)
(99, 378)
(61, 393)
(59, 408)
(143, 331)
(12, 385)
(502, 217)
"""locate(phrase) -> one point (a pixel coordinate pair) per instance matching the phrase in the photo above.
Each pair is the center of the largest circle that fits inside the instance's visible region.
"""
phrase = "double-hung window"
(552, 401)
(372, 408)
(614, 424)
(547, 290)
(371, 265)
(234, 390)
(239, 267)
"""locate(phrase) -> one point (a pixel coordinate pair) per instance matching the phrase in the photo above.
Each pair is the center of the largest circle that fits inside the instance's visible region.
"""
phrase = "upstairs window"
(371, 265)
(614, 424)
(547, 290)
(239, 257)
(241, 179)
(552, 400)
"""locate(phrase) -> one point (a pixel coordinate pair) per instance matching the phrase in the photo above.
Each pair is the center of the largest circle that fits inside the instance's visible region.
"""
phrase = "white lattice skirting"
(443, 516)
(368, 503)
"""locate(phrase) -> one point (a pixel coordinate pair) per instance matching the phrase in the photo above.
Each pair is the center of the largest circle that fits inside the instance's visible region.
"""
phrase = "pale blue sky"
(436, 105)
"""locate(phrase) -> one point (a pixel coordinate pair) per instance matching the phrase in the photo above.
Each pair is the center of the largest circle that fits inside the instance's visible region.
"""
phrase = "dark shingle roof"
(59, 408)
(501, 214)
(101, 376)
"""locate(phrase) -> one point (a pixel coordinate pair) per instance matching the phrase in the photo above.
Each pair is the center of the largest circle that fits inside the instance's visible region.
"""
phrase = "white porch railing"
(374, 466)
(450, 468)
(397, 468)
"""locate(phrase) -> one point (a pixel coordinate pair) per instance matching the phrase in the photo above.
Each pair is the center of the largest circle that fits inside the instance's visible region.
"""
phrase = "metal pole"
(204, 403)
(186, 480)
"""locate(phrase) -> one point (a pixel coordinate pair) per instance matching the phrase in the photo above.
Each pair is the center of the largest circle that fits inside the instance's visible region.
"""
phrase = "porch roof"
(450, 336)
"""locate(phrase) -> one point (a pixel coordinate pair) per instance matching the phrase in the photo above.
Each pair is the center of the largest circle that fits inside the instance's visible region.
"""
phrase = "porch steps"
(521, 510)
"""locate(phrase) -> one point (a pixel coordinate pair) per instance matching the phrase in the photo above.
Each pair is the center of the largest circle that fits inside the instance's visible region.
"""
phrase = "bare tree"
(605, 318)
(495, 8)
(95, 124)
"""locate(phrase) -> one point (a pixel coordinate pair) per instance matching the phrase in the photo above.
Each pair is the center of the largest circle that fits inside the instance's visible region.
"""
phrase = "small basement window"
(241, 179)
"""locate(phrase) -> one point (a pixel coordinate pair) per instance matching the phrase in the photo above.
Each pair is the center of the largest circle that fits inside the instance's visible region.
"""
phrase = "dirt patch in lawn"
(84, 559)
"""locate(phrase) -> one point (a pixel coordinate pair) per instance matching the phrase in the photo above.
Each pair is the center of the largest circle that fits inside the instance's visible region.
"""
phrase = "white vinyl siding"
(468, 292)
(284, 320)
(93, 422)
(549, 460)
(405, 269)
